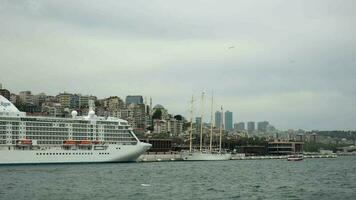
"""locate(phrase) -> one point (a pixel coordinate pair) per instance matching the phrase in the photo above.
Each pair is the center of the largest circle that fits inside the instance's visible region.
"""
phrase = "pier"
(175, 156)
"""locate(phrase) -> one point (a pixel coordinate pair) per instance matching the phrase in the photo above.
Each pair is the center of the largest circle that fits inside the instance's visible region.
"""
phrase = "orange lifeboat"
(69, 142)
(85, 142)
(24, 142)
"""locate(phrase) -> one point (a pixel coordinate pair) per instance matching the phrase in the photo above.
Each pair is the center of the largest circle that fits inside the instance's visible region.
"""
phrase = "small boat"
(295, 158)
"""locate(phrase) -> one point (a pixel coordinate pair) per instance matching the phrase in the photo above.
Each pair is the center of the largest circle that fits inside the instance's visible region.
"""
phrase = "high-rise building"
(174, 126)
(159, 126)
(198, 122)
(39, 99)
(134, 99)
(26, 97)
(218, 119)
(250, 127)
(228, 121)
(313, 138)
(114, 106)
(137, 116)
(239, 126)
(83, 101)
(65, 99)
(262, 126)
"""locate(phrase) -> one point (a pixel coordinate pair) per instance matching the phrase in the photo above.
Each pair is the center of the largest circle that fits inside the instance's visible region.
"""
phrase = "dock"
(175, 156)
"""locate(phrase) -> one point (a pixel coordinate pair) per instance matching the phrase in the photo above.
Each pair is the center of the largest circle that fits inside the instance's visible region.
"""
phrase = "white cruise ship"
(89, 139)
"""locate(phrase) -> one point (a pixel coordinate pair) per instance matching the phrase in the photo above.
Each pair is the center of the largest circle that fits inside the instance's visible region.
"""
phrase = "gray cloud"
(292, 63)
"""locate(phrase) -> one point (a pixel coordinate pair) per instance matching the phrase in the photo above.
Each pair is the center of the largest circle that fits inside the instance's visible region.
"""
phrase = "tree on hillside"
(157, 114)
(178, 117)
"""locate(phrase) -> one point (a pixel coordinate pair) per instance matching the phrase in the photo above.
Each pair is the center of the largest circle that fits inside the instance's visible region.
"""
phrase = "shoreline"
(171, 157)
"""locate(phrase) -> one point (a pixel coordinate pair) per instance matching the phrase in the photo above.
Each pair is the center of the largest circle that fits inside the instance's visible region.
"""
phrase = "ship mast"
(211, 123)
(191, 124)
(221, 127)
(201, 122)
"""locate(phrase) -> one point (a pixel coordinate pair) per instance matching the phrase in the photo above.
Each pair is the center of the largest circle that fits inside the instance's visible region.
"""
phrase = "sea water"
(328, 178)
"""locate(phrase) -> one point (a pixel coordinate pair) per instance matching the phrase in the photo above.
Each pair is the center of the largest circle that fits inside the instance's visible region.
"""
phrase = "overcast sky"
(289, 62)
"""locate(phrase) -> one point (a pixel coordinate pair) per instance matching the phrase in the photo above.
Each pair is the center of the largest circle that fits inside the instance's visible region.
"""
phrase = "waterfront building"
(134, 99)
(252, 150)
(159, 145)
(239, 126)
(218, 117)
(284, 147)
(262, 126)
(228, 121)
(250, 127)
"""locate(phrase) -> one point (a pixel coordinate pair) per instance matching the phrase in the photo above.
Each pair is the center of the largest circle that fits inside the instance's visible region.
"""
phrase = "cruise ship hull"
(201, 156)
(114, 153)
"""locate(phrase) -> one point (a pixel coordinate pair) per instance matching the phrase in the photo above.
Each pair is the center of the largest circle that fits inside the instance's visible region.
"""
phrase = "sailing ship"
(205, 154)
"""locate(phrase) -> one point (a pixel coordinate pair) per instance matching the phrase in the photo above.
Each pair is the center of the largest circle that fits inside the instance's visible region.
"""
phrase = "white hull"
(114, 153)
(199, 156)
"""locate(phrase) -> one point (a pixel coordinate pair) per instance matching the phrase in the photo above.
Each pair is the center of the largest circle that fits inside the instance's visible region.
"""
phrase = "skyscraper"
(250, 127)
(239, 126)
(217, 119)
(136, 99)
(228, 121)
(198, 124)
(262, 126)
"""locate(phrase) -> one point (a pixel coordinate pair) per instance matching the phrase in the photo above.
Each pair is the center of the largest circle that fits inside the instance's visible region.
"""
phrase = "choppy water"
(240, 179)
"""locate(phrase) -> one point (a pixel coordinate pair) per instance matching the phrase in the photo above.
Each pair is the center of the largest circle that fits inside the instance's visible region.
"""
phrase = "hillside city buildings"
(156, 121)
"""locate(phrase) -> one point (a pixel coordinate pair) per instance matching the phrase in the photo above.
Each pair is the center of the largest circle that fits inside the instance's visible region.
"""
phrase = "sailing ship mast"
(221, 126)
(211, 123)
(191, 124)
(201, 122)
